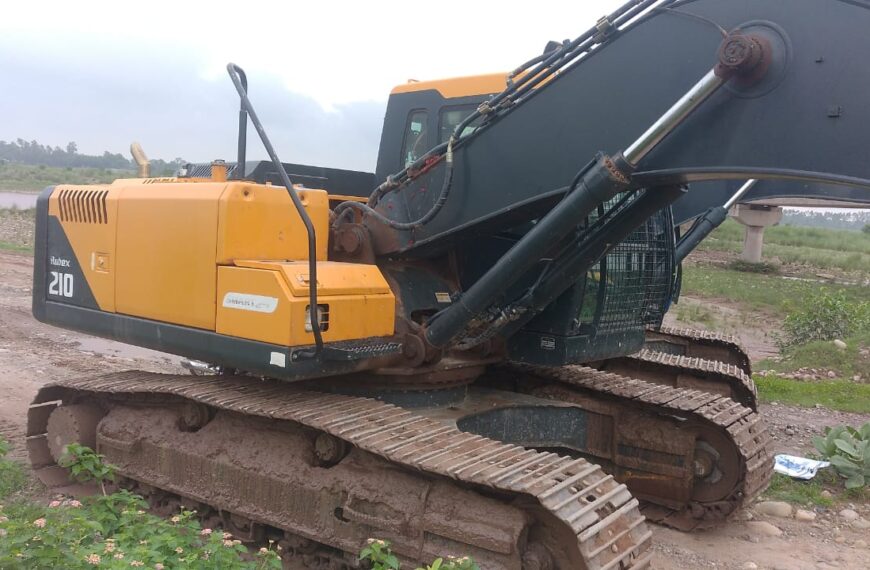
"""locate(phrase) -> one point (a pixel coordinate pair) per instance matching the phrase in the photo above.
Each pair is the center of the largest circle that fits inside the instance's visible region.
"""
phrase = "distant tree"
(866, 229)
(24, 152)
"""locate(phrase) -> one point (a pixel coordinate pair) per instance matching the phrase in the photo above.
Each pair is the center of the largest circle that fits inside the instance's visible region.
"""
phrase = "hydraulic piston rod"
(699, 93)
(709, 221)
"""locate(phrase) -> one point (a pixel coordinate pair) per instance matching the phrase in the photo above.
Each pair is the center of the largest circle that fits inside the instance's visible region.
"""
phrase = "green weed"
(826, 315)
(115, 531)
(12, 475)
(824, 355)
(776, 294)
(379, 556)
(832, 394)
(798, 492)
(848, 450)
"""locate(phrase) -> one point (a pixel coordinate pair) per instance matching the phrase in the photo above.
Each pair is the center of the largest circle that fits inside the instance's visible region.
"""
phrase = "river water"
(17, 200)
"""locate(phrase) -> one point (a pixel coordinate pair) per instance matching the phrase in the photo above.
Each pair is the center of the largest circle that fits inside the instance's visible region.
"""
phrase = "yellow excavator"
(462, 351)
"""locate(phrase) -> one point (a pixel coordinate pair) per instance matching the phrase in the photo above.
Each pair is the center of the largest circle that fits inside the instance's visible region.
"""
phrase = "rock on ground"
(774, 509)
(763, 528)
(848, 515)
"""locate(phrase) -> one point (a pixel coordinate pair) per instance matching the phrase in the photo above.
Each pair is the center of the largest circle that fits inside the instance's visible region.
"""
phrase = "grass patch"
(824, 355)
(34, 178)
(110, 531)
(793, 236)
(817, 247)
(115, 531)
(833, 394)
(18, 248)
(760, 291)
(805, 493)
(809, 493)
(695, 313)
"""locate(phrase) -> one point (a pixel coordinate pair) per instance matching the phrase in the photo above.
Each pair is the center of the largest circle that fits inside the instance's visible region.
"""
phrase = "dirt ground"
(32, 354)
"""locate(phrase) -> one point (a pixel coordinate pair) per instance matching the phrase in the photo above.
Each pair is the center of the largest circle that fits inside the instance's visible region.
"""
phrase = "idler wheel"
(194, 416)
(329, 450)
(537, 557)
(73, 423)
(716, 467)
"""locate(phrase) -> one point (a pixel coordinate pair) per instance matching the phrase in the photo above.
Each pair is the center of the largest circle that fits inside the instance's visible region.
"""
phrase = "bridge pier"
(755, 218)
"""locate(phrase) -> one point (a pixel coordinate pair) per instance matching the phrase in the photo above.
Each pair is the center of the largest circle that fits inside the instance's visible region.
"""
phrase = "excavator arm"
(680, 93)
(799, 120)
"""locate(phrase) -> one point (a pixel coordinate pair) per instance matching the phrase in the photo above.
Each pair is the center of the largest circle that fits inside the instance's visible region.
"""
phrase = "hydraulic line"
(345, 207)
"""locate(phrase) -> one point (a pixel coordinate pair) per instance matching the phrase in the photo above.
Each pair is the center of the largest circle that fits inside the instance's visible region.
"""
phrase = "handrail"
(239, 78)
(243, 125)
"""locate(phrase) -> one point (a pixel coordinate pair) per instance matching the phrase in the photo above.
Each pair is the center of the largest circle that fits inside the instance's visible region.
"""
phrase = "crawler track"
(742, 429)
(572, 495)
(681, 371)
(700, 344)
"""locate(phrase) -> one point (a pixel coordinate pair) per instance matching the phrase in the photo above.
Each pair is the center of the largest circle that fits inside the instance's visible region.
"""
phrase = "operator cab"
(423, 114)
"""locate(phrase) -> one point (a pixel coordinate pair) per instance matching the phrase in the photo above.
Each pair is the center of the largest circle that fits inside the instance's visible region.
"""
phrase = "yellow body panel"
(333, 278)
(458, 86)
(171, 236)
(229, 257)
(89, 215)
(250, 305)
(260, 222)
(260, 301)
(166, 243)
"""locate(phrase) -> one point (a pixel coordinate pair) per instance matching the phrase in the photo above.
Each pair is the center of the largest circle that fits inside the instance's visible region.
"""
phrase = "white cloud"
(333, 51)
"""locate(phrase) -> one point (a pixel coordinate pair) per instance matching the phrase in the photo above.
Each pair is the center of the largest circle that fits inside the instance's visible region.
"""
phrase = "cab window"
(450, 118)
(415, 144)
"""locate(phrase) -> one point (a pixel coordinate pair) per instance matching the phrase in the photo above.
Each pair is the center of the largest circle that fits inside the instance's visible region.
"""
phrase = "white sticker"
(442, 297)
(278, 359)
(248, 302)
(548, 343)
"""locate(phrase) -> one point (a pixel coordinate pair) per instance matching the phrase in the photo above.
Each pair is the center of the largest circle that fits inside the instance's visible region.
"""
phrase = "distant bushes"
(824, 316)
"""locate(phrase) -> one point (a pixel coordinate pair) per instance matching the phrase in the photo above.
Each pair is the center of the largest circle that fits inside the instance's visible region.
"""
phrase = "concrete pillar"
(755, 218)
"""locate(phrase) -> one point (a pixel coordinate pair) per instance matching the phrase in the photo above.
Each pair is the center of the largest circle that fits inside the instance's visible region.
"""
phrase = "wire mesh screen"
(631, 287)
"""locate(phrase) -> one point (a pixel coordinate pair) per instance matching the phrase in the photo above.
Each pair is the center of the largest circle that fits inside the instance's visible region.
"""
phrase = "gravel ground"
(16, 227)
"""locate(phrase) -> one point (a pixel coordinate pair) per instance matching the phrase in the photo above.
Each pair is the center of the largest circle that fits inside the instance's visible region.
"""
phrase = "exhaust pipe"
(141, 160)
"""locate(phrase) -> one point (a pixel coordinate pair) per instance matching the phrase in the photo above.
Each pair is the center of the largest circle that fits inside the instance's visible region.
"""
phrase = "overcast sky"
(106, 73)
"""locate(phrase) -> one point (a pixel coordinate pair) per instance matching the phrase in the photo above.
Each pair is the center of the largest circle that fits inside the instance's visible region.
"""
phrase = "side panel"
(80, 225)
(260, 222)
(253, 304)
(268, 302)
(167, 239)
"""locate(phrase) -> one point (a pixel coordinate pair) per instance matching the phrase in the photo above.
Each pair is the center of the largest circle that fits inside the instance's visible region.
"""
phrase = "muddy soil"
(755, 330)
(32, 354)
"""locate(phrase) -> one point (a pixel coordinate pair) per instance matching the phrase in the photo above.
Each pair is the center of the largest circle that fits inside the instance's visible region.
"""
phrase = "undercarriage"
(507, 470)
